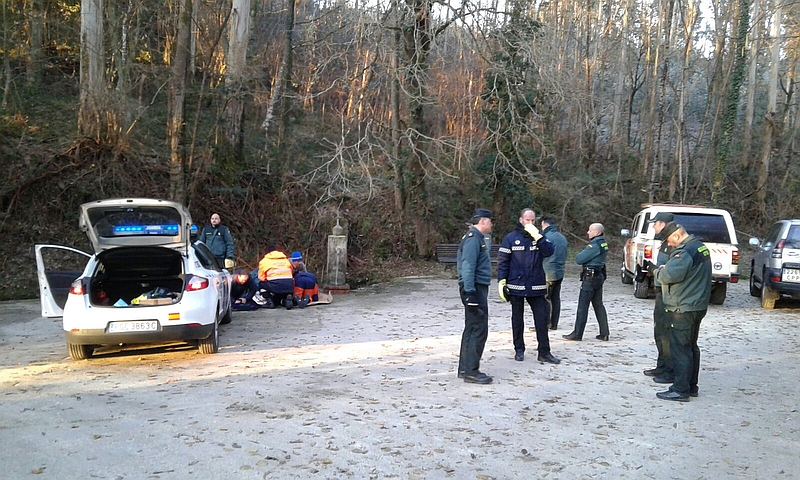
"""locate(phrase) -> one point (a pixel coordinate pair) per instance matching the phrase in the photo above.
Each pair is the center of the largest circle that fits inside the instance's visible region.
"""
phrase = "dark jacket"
(661, 259)
(554, 264)
(519, 263)
(473, 261)
(218, 240)
(594, 254)
(686, 277)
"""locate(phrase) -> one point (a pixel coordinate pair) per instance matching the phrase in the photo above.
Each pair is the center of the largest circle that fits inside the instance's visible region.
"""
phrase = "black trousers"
(476, 330)
(553, 298)
(591, 293)
(539, 307)
(661, 321)
(683, 333)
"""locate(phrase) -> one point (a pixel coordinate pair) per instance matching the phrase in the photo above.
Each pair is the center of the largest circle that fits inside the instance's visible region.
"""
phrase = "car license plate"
(140, 326)
(791, 275)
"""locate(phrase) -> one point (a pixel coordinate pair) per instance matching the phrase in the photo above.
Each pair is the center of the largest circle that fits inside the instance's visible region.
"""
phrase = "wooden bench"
(447, 253)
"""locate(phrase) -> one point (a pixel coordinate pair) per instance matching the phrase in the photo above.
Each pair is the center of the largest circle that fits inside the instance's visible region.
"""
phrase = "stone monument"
(337, 262)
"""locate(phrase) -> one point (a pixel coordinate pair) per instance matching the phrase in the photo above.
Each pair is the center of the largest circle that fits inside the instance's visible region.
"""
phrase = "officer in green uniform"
(474, 276)
(593, 275)
(686, 286)
(663, 370)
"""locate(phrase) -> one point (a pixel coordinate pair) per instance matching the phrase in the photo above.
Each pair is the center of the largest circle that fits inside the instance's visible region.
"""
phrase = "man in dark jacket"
(661, 320)
(474, 276)
(218, 239)
(554, 270)
(520, 278)
(593, 260)
(686, 287)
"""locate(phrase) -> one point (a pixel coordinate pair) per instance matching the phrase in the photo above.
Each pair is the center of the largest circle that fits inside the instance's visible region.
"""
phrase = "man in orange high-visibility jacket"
(275, 276)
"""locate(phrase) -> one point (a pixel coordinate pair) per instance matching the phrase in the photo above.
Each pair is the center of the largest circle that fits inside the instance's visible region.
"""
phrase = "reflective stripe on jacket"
(274, 266)
(519, 263)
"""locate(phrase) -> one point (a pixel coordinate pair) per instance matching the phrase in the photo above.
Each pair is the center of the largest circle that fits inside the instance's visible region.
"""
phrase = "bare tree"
(177, 96)
(92, 73)
(235, 80)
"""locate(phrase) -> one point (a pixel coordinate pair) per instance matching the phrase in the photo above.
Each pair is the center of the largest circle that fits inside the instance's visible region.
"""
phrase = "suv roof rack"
(646, 205)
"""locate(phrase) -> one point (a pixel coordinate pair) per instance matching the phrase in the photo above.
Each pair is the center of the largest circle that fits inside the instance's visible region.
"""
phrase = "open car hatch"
(135, 222)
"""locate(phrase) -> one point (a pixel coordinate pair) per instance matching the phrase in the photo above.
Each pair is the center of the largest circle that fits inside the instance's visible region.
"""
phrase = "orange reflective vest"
(274, 266)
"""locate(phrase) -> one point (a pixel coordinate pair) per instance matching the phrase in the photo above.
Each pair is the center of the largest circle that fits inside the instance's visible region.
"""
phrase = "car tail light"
(648, 251)
(197, 283)
(76, 288)
(777, 252)
(735, 257)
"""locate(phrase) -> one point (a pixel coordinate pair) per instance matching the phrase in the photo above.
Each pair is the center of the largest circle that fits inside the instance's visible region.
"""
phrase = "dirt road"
(366, 388)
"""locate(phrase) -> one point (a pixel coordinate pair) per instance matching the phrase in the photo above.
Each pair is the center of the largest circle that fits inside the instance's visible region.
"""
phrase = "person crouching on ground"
(275, 276)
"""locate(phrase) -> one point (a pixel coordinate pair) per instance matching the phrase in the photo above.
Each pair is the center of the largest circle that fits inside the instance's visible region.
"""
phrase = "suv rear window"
(707, 228)
(132, 221)
(793, 237)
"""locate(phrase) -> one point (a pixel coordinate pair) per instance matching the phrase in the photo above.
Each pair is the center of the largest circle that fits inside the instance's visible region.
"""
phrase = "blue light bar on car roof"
(146, 230)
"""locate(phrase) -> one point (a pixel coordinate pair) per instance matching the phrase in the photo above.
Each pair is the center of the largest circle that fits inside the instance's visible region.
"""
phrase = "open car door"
(56, 268)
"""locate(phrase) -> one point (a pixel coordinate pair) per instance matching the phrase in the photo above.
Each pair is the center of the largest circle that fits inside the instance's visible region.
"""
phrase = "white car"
(713, 226)
(145, 283)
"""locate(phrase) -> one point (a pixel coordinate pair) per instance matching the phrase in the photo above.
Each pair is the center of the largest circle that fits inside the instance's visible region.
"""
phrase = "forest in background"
(397, 117)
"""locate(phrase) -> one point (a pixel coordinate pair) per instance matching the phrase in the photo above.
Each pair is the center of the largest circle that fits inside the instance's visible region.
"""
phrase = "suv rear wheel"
(641, 289)
(626, 280)
(768, 295)
(718, 292)
(754, 291)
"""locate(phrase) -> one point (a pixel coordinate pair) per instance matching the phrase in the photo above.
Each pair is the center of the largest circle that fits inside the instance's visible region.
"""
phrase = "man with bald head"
(593, 275)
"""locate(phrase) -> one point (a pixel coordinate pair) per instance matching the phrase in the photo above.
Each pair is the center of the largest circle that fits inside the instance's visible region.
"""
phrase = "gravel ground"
(366, 388)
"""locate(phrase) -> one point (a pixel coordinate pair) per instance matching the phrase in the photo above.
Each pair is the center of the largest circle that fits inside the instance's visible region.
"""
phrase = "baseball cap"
(665, 217)
(669, 229)
(481, 213)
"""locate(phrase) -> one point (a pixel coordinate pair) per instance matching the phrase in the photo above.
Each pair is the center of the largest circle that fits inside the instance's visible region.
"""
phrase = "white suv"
(712, 226)
(145, 283)
(775, 269)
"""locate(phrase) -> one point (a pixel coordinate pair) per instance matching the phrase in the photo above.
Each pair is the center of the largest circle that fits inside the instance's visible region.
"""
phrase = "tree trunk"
(417, 40)
(35, 28)
(771, 131)
(239, 33)
(91, 70)
(731, 101)
(751, 87)
(177, 97)
(394, 100)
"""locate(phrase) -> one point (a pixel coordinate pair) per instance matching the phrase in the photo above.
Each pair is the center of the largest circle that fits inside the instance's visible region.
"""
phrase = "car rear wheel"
(226, 319)
(768, 295)
(626, 280)
(718, 292)
(79, 352)
(210, 344)
(754, 291)
(641, 289)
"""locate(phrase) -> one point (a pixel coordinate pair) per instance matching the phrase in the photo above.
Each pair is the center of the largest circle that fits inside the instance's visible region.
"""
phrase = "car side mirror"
(755, 242)
(625, 232)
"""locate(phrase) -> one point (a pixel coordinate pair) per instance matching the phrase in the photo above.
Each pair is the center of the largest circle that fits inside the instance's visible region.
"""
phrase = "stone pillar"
(337, 262)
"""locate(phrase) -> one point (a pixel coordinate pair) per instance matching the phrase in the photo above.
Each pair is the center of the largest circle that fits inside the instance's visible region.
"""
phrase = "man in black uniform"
(660, 319)
(593, 275)
(474, 276)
